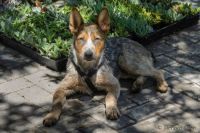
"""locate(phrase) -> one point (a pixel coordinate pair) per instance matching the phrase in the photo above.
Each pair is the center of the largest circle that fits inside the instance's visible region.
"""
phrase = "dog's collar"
(87, 74)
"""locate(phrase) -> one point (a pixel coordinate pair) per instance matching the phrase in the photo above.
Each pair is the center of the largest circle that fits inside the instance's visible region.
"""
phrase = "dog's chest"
(112, 52)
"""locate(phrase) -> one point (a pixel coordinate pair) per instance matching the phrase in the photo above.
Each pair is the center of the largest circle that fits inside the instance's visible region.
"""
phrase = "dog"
(98, 62)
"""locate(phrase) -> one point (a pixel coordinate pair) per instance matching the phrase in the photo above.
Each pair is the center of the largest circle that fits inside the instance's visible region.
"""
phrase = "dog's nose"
(88, 55)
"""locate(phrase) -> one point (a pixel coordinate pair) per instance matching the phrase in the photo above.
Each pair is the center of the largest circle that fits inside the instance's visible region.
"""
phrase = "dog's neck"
(84, 69)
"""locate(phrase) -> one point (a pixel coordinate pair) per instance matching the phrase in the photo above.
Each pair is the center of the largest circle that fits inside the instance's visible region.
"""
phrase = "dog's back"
(116, 47)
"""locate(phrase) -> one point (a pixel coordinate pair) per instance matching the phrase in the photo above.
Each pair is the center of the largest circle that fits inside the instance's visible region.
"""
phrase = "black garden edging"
(57, 65)
(166, 30)
(60, 64)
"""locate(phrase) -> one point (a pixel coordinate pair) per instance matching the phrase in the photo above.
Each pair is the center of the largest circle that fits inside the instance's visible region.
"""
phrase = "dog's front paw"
(50, 120)
(112, 113)
(163, 87)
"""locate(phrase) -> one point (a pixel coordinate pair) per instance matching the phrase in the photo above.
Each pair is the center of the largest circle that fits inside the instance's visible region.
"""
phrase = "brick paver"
(26, 90)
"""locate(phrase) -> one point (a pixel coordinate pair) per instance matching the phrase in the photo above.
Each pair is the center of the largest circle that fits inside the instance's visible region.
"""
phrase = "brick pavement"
(26, 90)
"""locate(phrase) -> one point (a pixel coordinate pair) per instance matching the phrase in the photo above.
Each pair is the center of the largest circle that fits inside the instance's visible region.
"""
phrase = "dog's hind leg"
(142, 69)
(162, 85)
(138, 83)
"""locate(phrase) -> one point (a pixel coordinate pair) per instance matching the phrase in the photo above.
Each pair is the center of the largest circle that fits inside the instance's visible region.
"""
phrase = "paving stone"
(174, 40)
(186, 103)
(183, 46)
(37, 116)
(73, 124)
(14, 113)
(185, 121)
(36, 95)
(184, 72)
(2, 47)
(98, 113)
(79, 123)
(14, 85)
(18, 127)
(11, 99)
(16, 118)
(191, 60)
(191, 34)
(3, 115)
(18, 72)
(198, 43)
(186, 87)
(144, 96)
(77, 104)
(172, 96)
(163, 61)
(2, 73)
(124, 101)
(98, 129)
(154, 124)
(54, 129)
(194, 35)
(46, 79)
(48, 85)
(28, 115)
(159, 47)
(187, 47)
(11, 59)
(148, 110)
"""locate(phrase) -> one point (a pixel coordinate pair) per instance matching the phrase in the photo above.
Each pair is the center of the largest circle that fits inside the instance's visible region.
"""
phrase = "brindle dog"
(101, 60)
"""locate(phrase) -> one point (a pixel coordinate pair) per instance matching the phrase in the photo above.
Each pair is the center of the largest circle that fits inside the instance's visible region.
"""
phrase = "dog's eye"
(97, 38)
(80, 39)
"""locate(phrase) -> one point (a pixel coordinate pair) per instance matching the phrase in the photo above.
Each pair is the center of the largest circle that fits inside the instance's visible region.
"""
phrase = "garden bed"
(166, 30)
(40, 30)
(60, 64)
(57, 65)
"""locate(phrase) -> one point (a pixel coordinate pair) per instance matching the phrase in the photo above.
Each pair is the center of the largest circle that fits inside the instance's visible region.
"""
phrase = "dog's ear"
(103, 20)
(75, 21)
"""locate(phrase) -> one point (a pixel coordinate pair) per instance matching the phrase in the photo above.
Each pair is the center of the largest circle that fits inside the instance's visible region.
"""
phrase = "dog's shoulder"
(113, 50)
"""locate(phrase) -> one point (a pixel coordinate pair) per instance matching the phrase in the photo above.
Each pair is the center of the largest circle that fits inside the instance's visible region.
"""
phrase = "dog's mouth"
(88, 59)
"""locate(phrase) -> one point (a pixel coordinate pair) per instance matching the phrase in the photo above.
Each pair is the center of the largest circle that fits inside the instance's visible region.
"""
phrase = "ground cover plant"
(44, 27)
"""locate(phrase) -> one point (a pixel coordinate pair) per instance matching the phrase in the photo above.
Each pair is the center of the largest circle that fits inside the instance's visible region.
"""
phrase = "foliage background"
(44, 26)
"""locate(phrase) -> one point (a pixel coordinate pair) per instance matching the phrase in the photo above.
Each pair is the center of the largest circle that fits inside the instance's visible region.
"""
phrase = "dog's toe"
(112, 113)
(163, 88)
(50, 120)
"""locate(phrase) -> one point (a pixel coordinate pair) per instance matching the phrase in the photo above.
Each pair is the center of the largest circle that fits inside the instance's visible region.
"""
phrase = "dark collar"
(87, 74)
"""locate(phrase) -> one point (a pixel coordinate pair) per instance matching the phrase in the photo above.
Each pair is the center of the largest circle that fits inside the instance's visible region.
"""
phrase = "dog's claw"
(50, 120)
(112, 113)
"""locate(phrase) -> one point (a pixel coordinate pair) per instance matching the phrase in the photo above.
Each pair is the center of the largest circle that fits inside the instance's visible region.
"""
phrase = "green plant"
(47, 30)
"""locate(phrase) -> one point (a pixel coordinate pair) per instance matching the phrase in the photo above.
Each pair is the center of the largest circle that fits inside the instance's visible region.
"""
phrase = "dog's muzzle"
(88, 55)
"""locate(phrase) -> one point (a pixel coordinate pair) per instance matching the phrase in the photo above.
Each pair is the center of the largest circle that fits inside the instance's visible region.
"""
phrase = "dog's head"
(89, 39)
